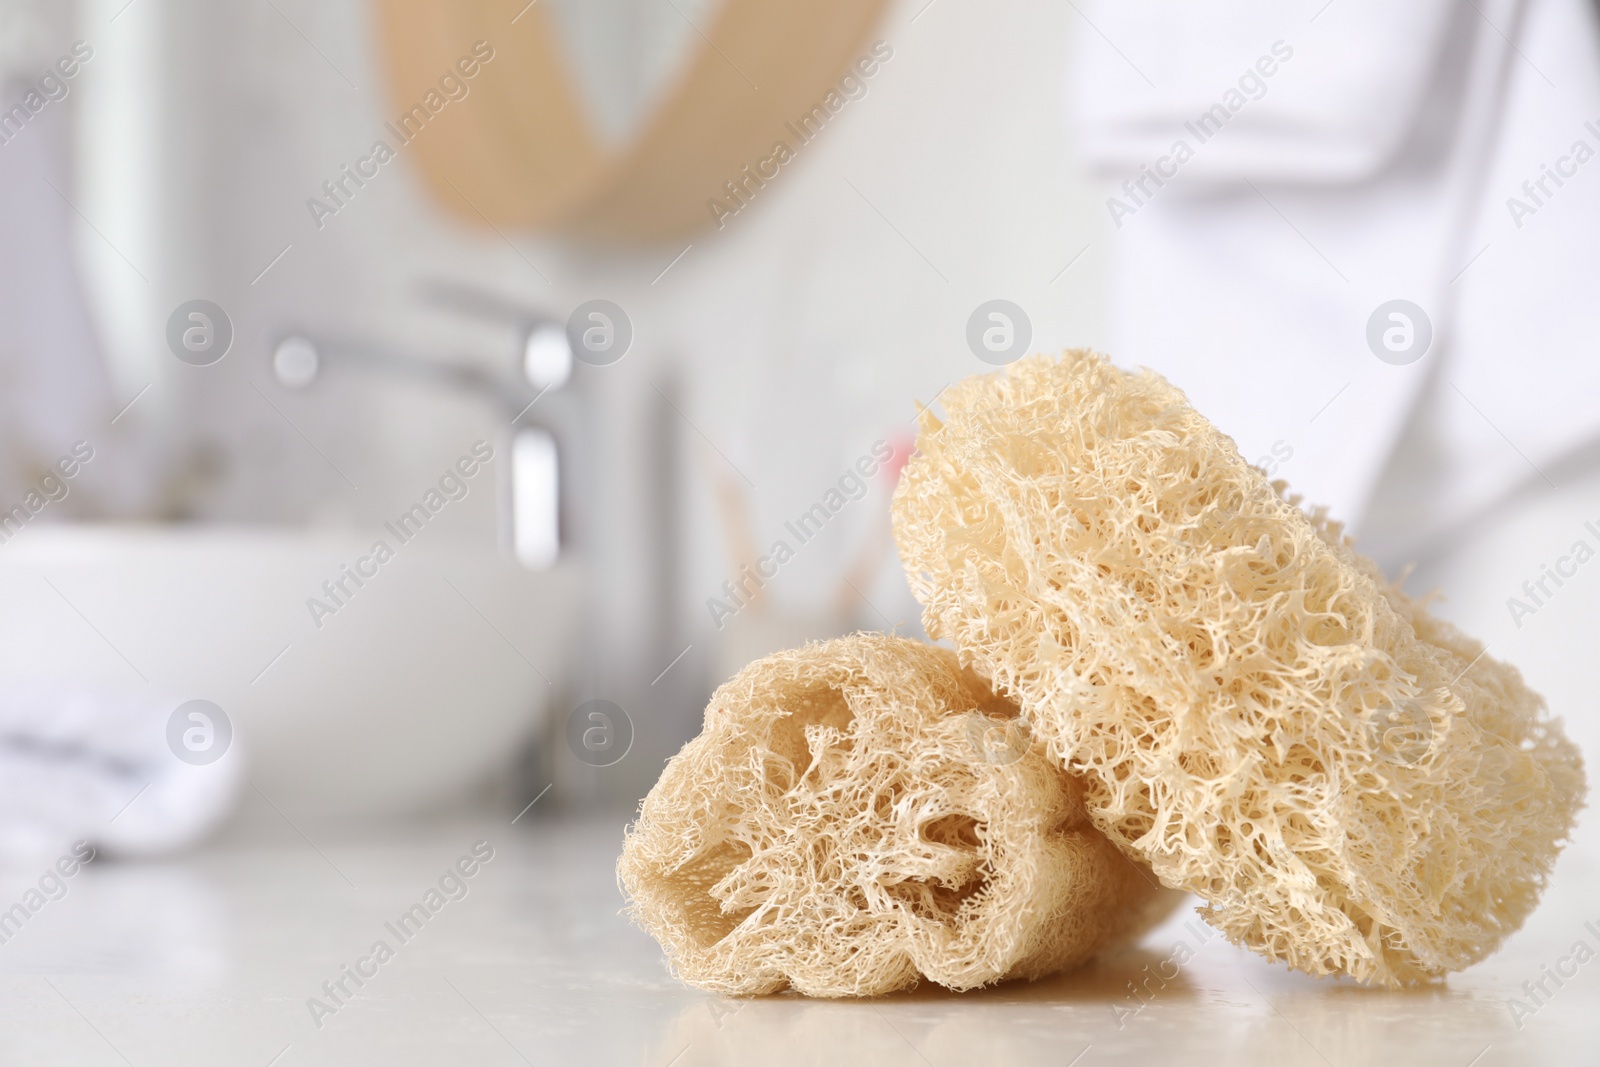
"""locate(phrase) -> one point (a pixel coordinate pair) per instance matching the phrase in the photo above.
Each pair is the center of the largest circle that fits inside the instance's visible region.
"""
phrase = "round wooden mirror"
(491, 108)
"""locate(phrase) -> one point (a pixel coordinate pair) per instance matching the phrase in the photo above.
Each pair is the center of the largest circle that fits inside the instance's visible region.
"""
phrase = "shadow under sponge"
(861, 813)
(1352, 785)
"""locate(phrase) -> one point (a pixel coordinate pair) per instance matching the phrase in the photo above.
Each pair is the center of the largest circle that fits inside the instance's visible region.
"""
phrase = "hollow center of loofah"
(706, 917)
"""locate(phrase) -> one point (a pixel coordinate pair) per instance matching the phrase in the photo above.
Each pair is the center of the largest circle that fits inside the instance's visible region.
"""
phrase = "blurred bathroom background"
(767, 328)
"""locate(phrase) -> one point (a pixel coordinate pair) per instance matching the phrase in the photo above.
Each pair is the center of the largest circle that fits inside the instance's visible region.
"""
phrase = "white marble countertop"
(214, 959)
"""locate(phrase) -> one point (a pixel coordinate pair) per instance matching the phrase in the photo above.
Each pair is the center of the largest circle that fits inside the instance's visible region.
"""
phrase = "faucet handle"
(546, 349)
(296, 362)
(547, 356)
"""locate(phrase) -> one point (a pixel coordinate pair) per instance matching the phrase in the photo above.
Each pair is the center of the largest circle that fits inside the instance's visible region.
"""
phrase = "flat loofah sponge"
(859, 813)
(1352, 785)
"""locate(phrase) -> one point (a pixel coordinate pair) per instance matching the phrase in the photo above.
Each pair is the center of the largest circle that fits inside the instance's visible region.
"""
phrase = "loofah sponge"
(1351, 784)
(859, 813)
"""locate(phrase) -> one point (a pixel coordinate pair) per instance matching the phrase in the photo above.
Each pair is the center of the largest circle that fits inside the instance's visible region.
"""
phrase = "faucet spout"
(531, 503)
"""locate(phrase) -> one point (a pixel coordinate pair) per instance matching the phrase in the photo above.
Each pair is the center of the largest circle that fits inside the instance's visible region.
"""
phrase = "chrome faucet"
(532, 511)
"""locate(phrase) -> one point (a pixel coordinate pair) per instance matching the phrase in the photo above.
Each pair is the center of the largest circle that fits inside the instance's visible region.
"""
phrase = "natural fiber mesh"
(1351, 784)
(854, 815)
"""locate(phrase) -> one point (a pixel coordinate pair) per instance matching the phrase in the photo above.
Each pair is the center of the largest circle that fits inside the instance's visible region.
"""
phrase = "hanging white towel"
(1371, 164)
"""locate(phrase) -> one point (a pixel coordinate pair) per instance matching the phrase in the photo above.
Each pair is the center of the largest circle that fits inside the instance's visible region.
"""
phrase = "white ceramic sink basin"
(422, 681)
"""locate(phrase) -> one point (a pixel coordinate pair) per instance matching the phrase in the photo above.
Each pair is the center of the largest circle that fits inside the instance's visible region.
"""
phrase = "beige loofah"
(1352, 785)
(855, 815)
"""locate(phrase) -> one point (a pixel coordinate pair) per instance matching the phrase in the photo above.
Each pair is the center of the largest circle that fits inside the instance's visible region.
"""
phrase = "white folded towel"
(103, 767)
(1373, 163)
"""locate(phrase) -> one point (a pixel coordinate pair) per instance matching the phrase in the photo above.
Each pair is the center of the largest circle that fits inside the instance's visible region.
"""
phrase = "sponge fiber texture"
(862, 813)
(1352, 785)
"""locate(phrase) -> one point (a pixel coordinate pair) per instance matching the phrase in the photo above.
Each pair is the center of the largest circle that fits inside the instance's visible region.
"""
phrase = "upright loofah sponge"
(860, 813)
(1351, 784)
